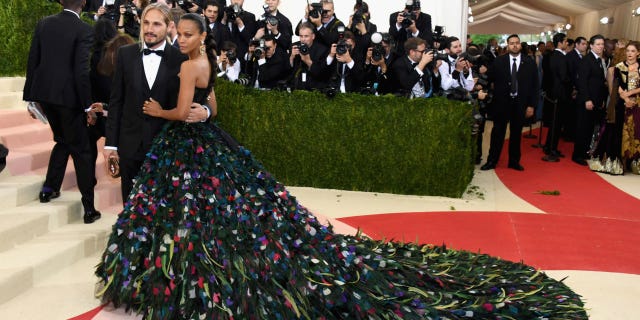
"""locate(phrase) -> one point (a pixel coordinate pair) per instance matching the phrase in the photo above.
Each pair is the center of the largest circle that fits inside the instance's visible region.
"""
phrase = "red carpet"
(591, 225)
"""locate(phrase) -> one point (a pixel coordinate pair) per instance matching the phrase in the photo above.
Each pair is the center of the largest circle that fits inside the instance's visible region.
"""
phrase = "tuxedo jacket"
(591, 81)
(353, 77)
(528, 89)
(220, 34)
(127, 127)
(423, 23)
(560, 79)
(242, 38)
(404, 76)
(58, 63)
(573, 60)
(318, 75)
(274, 69)
(286, 32)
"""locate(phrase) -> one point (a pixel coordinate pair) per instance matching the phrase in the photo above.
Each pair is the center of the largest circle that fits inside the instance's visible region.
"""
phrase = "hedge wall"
(353, 142)
(18, 19)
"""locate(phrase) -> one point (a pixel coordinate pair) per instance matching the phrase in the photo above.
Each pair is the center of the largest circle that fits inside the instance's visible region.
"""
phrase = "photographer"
(347, 76)
(242, 25)
(377, 64)
(228, 64)
(220, 32)
(308, 61)
(274, 23)
(322, 17)
(481, 96)
(270, 67)
(129, 18)
(456, 71)
(361, 26)
(193, 6)
(410, 23)
(414, 74)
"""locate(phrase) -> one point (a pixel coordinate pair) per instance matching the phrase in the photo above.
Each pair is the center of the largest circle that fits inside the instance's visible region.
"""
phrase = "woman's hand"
(152, 108)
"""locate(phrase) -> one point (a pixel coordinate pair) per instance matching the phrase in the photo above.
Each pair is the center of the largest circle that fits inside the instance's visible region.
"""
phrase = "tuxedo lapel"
(162, 70)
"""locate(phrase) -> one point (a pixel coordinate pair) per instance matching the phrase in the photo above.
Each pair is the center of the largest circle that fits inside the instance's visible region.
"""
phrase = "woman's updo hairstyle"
(210, 44)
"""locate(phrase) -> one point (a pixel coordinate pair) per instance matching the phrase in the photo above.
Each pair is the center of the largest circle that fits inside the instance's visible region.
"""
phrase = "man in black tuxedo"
(272, 67)
(144, 71)
(592, 93)
(412, 74)
(220, 32)
(281, 31)
(573, 58)
(420, 25)
(308, 61)
(515, 82)
(345, 65)
(559, 92)
(60, 84)
(242, 28)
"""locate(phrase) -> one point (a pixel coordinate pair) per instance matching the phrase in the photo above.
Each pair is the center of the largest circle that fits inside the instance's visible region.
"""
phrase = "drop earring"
(202, 49)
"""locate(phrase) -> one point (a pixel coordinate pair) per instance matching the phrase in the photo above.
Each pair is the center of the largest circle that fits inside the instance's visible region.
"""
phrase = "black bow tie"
(149, 51)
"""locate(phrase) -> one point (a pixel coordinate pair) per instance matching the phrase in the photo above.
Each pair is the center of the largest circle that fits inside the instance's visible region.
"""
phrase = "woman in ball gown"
(208, 233)
(605, 150)
(628, 71)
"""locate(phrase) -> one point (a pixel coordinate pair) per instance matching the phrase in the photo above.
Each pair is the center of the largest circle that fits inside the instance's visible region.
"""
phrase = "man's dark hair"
(593, 39)
(72, 4)
(451, 40)
(512, 36)
(570, 41)
(413, 43)
(580, 39)
(558, 38)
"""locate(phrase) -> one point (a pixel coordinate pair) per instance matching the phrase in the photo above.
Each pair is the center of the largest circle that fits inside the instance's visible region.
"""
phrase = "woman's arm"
(188, 76)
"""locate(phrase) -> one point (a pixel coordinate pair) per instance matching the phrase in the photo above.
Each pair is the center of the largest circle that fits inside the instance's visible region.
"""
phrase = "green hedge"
(353, 142)
(18, 19)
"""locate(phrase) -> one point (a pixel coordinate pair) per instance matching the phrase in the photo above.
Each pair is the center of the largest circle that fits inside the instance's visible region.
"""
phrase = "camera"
(316, 10)
(439, 55)
(377, 51)
(130, 10)
(184, 4)
(243, 81)
(483, 80)
(359, 15)
(342, 46)
(473, 57)
(412, 5)
(438, 36)
(409, 18)
(232, 56)
(267, 18)
(233, 12)
(259, 50)
(304, 49)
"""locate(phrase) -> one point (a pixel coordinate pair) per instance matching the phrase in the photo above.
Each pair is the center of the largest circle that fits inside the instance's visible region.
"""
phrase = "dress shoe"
(91, 216)
(579, 161)
(516, 166)
(488, 166)
(46, 196)
(557, 153)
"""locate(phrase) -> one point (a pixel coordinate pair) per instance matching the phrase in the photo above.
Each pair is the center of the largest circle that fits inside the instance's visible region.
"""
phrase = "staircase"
(38, 239)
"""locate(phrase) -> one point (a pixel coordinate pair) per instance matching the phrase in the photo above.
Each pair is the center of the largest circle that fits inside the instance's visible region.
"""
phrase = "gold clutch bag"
(114, 167)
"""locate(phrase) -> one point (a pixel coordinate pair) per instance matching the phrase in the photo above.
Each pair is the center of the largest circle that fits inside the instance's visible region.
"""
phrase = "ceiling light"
(568, 26)
(470, 19)
(606, 20)
(470, 11)
(635, 12)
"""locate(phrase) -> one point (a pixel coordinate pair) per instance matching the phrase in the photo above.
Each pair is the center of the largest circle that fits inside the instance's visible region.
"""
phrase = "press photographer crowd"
(416, 60)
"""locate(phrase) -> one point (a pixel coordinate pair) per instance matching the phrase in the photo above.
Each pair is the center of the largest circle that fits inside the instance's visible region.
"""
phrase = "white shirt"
(447, 81)
(151, 64)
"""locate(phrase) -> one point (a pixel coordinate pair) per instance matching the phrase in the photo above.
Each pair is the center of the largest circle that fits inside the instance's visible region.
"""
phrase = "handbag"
(113, 167)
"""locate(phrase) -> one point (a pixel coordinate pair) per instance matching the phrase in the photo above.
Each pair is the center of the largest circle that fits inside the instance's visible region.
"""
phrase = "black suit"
(315, 77)
(560, 92)
(591, 87)
(405, 77)
(60, 83)
(220, 34)
(285, 30)
(569, 117)
(506, 109)
(423, 24)
(128, 129)
(274, 69)
(242, 38)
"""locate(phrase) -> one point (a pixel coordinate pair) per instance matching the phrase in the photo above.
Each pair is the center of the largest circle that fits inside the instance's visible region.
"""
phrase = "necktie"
(149, 51)
(514, 77)
(599, 60)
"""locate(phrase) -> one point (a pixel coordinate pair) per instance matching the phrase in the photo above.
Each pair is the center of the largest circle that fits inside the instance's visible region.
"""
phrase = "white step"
(12, 100)
(11, 84)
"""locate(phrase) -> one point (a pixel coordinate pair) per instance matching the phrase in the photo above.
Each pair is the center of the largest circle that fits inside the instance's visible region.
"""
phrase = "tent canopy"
(529, 16)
